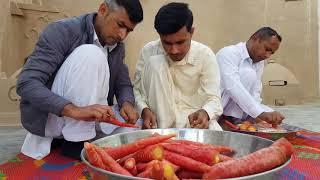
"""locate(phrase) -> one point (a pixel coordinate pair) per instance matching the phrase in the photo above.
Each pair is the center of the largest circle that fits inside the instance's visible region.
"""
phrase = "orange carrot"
(158, 170)
(285, 146)
(207, 156)
(122, 160)
(223, 158)
(110, 162)
(93, 157)
(219, 148)
(143, 166)
(126, 149)
(130, 165)
(175, 167)
(153, 152)
(119, 123)
(185, 174)
(186, 162)
(259, 161)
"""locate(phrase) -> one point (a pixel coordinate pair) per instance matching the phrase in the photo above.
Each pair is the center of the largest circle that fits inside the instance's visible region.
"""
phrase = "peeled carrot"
(110, 162)
(93, 157)
(143, 166)
(186, 162)
(149, 172)
(207, 156)
(223, 158)
(126, 149)
(158, 170)
(219, 148)
(175, 167)
(119, 123)
(285, 146)
(256, 162)
(153, 152)
(185, 174)
(130, 165)
(122, 160)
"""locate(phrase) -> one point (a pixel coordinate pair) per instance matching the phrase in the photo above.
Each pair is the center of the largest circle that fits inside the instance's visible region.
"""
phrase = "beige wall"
(218, 23)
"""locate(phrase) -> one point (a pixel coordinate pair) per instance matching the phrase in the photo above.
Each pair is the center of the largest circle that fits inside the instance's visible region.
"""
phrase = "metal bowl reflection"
(243, 144)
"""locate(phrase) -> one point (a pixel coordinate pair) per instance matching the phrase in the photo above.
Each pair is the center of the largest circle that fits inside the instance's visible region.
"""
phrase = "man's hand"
(94, 112)
(199, 119)
(273, 118)
(149, 119)
(128, 113)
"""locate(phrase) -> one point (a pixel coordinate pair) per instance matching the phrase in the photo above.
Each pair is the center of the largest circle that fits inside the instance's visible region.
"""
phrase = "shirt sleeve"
(43, 63)
(257, 89)
(140, 98)
(123, 85)
(230, 77)
(210, 85)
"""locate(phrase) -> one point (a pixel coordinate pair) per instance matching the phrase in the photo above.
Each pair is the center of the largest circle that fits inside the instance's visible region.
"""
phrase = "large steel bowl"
(242, 143)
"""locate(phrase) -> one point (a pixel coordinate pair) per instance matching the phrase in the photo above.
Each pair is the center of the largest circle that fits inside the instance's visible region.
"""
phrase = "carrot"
(285, 146)
(122, 160)
(153, 152)
(110, 162)
(149, 172)
(219, 148)
(126, 149)
(223, 158)
(119, 123)
(175, 167)
(207, 156)
(186, 162)
(143, 166)
(93, 157)
(185, 174)
(256, 162)
(130, 165)
(158, 170)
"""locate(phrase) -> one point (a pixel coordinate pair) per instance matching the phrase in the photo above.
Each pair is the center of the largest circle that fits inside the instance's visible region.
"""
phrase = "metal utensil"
(242, 143)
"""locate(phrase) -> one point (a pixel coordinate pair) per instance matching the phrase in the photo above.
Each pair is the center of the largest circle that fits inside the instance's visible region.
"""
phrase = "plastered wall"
(218, 23)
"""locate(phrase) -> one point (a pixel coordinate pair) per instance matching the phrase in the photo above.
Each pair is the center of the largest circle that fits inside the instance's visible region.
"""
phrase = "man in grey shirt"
(65, 39)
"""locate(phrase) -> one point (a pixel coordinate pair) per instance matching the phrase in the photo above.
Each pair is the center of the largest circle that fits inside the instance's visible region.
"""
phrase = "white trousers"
(83, 79)
(159, 88)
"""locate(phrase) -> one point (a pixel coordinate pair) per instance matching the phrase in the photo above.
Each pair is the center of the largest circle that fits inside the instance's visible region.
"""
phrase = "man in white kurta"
(241, 68)
(177, 79)
(83, 84)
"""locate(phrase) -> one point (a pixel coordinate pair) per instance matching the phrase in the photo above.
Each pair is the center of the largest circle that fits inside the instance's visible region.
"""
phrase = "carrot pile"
(162, 158)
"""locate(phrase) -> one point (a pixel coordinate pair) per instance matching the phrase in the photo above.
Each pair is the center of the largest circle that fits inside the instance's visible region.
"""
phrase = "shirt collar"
(244, 52)
(96, 41)
(188, 59)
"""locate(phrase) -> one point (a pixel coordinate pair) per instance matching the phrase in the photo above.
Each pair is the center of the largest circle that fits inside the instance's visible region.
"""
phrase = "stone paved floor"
(306, 116)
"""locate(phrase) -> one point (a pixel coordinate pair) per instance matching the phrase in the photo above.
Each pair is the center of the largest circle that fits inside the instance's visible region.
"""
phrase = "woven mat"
(305, 163)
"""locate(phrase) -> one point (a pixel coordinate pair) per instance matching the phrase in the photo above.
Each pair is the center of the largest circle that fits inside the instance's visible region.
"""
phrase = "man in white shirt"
(241, 68)
(177, 80)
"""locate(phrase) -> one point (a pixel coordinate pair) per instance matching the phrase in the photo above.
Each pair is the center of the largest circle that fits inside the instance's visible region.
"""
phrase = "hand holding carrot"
(274, 118)
(94, 112)
(199, 119)
(149, 119)
(128, 113)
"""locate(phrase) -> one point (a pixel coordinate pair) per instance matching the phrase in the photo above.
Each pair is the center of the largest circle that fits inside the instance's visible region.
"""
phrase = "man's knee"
(89, 53)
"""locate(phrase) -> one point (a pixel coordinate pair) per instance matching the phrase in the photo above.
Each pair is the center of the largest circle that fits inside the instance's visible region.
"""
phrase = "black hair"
(133, 8)
(266, 32)
(172, 17)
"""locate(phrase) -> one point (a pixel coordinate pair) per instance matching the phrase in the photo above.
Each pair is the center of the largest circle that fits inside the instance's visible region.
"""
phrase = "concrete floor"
(306, 116)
